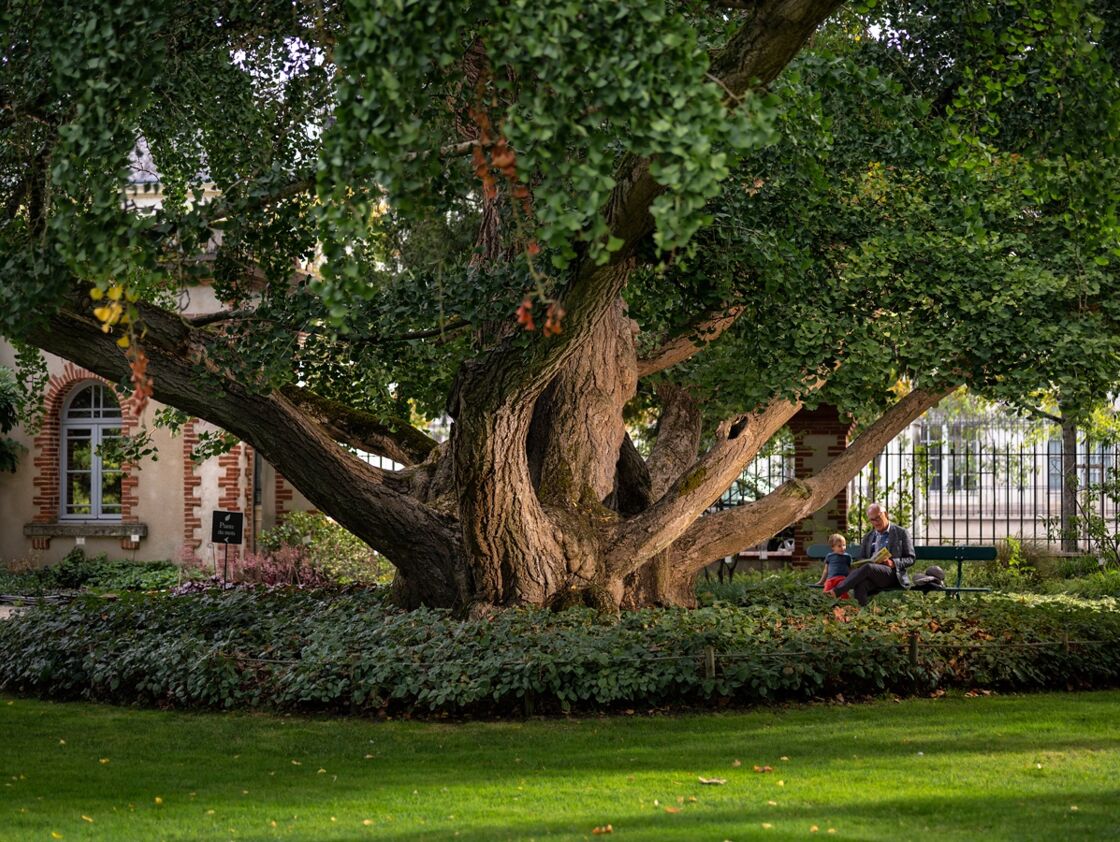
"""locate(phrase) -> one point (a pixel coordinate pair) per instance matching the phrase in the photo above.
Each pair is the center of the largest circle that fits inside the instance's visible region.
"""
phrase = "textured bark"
(678, 438)
(582, 430)
(1069, 485)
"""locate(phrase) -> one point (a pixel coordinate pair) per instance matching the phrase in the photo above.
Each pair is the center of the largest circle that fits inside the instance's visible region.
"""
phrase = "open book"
(879, 557)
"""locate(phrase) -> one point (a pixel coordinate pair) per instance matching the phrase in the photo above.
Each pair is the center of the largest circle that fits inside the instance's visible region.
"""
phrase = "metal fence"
(974, 481)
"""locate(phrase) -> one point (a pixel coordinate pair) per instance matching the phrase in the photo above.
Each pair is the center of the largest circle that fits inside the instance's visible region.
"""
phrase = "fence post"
(709, 662)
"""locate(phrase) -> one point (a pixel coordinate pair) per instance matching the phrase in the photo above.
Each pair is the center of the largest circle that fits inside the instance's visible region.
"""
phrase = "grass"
(1041, 766)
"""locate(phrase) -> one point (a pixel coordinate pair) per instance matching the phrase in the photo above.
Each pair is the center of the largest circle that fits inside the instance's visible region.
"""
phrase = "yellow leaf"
(783, 757)
(273, 823)
(62, 742)
(367, 822)
(115, 292)
(814, 829)
(209, 812)
(96, 294)
(295, 763)
(102, 313)
(87, 819)
(321, 771)
(55, 834)
(672, 809)
(781, 783)
(772, 803)
(123, 342)
(767, 825)
(103, 761)
(158, 800)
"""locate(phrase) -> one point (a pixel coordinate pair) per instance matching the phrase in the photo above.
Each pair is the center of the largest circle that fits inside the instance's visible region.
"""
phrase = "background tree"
(539, 218)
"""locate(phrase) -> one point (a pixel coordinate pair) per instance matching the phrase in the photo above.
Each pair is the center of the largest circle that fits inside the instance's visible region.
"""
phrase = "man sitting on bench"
(869, 579)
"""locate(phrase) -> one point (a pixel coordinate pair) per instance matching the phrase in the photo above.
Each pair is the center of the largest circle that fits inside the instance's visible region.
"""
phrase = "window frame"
(97, 423)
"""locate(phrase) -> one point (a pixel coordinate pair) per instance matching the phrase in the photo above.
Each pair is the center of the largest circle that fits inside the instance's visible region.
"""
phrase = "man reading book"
(892, 552)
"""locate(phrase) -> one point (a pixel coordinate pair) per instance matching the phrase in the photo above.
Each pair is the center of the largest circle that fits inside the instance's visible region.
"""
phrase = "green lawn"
(1017, 767)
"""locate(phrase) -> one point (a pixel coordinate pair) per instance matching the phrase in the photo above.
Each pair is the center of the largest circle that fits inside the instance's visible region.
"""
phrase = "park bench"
(959, 554)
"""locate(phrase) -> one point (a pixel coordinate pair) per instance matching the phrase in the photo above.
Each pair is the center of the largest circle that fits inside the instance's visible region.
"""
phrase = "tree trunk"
(1069, 485)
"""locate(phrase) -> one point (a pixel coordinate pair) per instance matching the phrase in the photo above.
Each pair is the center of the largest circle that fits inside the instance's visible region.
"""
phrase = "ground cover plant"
(351, 651)
(1042, 766)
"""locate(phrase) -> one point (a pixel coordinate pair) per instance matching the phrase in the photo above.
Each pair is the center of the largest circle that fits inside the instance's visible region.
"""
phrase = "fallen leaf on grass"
(103, 760)
(296, 763)
(783, 757)
(599, 831)
(814, 829)
(158, 800)
(367, 822)
(712, 781)
(767, 825)
(88, 819)
(54, 833)
(781, 783)
(772, 803)
(672, 809)
(736, 763)
(764, 768)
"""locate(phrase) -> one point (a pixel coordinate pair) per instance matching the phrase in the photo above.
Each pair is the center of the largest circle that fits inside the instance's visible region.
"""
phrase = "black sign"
(227, 527)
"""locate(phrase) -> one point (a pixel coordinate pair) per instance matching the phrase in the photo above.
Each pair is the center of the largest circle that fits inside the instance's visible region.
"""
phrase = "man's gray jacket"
(900, 547)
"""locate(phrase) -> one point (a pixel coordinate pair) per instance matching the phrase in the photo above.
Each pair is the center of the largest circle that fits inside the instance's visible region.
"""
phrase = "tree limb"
(678, 438)
(397, 439)
(738, 441)
(677, 350)
(361, 497)
(718, 535)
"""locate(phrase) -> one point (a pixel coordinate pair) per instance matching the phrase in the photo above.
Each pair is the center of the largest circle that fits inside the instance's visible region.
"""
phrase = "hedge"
(348, 651)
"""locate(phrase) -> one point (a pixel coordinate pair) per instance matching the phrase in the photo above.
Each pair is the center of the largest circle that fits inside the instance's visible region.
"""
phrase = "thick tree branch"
(396, 439)
(678, 438)
(737, 442)
(680, 348)
(718, 535)
(418, 540)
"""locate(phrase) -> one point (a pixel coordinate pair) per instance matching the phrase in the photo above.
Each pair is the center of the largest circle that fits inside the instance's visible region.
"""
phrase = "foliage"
(348, 651)
(9, 415)
(76, 571)
(1095, 585)
(1089, 523)
(314, 541)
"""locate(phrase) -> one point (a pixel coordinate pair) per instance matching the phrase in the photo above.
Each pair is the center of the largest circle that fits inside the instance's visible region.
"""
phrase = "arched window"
(91, 485)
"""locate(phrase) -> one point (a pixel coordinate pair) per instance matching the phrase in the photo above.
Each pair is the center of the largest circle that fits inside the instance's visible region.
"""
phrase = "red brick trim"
(192, 520)
(284, 494)
(47, 450)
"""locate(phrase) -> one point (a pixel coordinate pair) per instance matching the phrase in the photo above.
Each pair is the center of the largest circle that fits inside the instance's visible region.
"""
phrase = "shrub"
(315, 544)
(76, 571)
(339, 650)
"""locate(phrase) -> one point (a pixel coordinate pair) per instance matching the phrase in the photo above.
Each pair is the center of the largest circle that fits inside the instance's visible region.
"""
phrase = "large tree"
(620, 244)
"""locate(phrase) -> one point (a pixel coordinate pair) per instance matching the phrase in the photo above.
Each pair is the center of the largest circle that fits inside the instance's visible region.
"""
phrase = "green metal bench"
(926, 552)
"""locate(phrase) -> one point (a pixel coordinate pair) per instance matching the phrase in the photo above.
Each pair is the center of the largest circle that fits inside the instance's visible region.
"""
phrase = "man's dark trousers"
(866, 581)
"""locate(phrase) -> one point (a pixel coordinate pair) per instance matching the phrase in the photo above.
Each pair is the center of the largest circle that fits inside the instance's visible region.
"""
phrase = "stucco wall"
(166, 498)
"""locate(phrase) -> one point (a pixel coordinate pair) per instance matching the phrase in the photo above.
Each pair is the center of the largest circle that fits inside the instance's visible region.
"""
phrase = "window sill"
(85, 529)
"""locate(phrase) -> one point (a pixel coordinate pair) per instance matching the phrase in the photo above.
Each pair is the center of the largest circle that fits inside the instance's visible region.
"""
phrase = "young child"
(837, 564)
